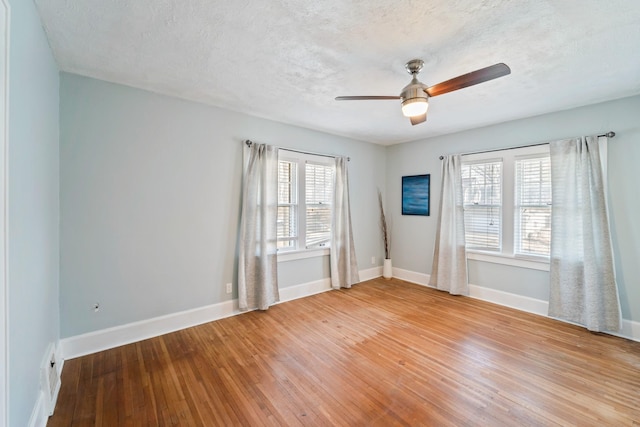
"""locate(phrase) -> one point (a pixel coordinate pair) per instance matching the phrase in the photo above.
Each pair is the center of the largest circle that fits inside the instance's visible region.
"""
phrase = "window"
(305, 196)
(533, 206)
(507, 202)
(482, 184)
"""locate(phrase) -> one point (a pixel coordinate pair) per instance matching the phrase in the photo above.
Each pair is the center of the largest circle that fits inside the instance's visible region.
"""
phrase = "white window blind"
(533, 206)
(287, 205)
(482, 198)
(318, 198)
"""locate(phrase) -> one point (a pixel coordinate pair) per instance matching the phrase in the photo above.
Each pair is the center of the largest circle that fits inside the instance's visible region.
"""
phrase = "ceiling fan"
(415, 96)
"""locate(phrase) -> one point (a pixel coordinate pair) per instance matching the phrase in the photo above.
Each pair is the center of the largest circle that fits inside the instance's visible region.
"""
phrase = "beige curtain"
(449, 271)
(257, 258)
(583, 287)
(344, 266)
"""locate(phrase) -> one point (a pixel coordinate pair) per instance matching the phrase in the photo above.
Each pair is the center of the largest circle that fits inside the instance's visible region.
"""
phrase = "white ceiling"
(286, 60)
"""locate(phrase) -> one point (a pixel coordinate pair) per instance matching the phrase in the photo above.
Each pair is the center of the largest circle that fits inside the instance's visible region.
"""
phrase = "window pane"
(482, 198)
(482, 183)
(533, 206)
(318, 225)
(482, 227)
(534, 234)
(319, 184)
(318, 198)
(286, 182)
(533, 181)
(287, 224)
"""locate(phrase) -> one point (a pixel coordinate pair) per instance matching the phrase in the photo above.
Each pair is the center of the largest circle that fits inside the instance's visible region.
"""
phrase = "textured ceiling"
(286, 60)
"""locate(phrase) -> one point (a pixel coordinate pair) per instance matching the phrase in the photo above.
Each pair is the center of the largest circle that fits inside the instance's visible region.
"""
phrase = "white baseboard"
(370, 273)
(39, 415)
(104, 339)
(519, 302)
(304, 290)
(630, 329)
(92, 342)
(410, 276)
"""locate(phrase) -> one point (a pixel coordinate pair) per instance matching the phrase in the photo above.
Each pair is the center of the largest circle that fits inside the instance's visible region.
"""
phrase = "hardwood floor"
(383, 353)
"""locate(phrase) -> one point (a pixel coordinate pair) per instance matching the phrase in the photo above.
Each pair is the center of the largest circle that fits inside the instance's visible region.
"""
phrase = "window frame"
(498, 206)
(320, 205)
(294, 205)
(300, 251)
(518, 244)
(507, 255)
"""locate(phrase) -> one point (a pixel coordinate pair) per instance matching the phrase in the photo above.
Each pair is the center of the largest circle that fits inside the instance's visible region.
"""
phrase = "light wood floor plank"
(384, 353)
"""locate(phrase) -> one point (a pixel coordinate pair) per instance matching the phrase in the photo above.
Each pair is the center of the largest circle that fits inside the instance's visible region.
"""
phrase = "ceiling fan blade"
(473, 78)
(416, 120)
(364, 98)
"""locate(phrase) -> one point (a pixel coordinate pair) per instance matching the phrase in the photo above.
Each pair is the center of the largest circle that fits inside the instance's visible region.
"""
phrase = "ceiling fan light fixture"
(414, 107)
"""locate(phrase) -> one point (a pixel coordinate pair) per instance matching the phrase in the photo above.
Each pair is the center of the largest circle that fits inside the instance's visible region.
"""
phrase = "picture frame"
(416, 194)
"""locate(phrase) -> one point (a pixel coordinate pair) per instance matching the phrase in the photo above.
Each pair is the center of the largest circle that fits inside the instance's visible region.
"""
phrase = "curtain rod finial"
(441, 157)
(610, 134)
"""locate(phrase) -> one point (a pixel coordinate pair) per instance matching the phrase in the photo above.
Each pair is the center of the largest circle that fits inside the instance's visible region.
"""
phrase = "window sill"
(295, 255)
(542, 265)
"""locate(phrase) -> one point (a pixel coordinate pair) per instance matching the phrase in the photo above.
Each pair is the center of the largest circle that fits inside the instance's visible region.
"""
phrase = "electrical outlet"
(96, 307)
(229, 289)
(373, 260)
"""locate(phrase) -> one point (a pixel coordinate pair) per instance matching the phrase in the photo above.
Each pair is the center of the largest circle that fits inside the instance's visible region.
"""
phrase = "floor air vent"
(51, 379)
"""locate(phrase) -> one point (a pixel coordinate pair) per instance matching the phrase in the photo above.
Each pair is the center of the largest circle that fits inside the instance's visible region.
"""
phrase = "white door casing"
(4, 135)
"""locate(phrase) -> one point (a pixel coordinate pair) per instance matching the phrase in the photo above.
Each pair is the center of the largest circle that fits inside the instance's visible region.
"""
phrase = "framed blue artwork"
(415, 195)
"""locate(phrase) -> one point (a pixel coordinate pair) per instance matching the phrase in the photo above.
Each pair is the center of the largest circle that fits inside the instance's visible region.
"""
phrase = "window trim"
(295, 254)
(514, 261)
(301, 251)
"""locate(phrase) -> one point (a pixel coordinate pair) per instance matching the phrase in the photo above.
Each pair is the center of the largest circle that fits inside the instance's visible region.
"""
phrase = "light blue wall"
(150, 194)
(33, 207)
(150, 202)
(413, 237)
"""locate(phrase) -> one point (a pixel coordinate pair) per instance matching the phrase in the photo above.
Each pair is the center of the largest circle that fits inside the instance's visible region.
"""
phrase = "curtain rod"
(249, 142)
(609, 134)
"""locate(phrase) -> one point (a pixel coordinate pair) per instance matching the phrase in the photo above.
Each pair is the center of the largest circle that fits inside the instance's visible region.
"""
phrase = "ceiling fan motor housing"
(414, 92)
